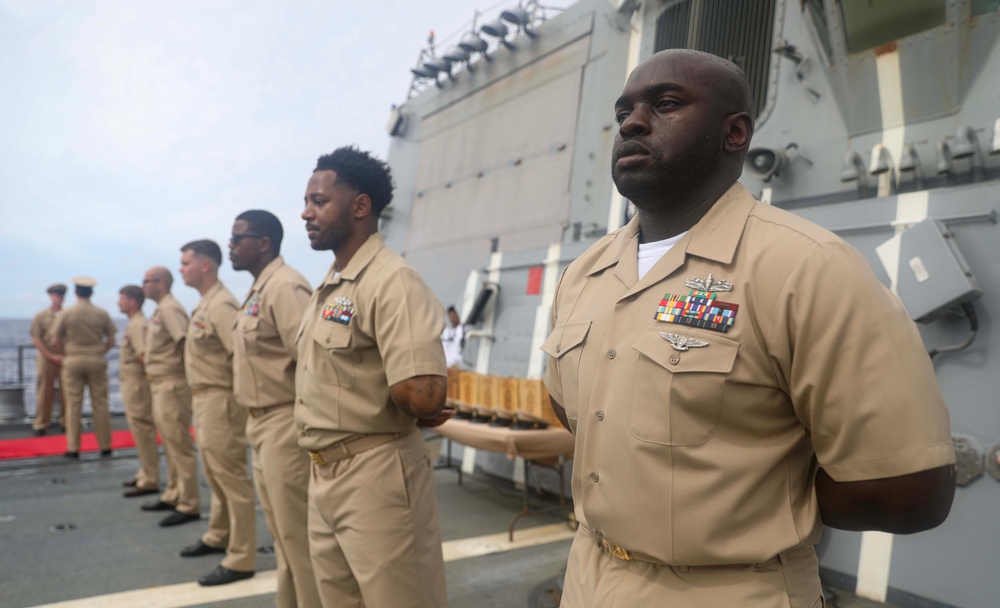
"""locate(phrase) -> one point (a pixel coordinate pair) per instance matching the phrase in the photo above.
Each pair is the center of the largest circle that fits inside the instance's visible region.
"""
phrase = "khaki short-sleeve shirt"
(373, 325)
(83, 328)
(208, 348)
(42, 324)
(697, 446)
(264, 336)
(133, 344)
(165, 339)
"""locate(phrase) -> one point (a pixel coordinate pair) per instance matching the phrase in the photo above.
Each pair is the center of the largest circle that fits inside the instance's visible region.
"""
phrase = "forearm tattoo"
(431, 387)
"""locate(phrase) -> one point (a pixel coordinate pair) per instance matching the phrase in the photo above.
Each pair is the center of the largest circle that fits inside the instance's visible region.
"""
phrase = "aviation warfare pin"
(682, 343)
(340, 311)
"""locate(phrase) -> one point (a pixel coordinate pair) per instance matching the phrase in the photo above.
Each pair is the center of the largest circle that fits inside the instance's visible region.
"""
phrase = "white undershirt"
(650, 253)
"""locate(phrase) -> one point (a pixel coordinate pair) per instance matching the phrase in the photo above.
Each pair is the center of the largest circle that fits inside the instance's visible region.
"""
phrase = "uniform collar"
(715, 237)
(213, 291)
(265, 274)
(362, 257)
(165, 300)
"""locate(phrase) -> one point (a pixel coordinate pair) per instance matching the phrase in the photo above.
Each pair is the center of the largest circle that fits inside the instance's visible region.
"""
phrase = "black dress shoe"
(75, 455)
(105, 453)
(129, 483)
(140, 492)
(39, 432)
(223, 576)
(157, 506)
(199, 548)
(177, 518)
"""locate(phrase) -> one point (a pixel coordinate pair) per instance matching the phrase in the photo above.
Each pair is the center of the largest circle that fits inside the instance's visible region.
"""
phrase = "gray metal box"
(933, 275)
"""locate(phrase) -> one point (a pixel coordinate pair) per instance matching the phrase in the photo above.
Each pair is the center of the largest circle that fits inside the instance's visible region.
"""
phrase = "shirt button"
(675, 359)
(600, 414)
(595, 477)
(612, 354)
(301, 401)
(558, 347)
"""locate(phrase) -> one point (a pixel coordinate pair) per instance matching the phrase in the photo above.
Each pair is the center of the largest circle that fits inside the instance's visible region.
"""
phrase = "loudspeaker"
(765, 163)
(479, 307)
(396, 127)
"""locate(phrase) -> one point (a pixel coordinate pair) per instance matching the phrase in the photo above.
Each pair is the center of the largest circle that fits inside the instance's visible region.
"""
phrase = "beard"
(663, 178)
(640, 188)
(331, 238)
(647, 185)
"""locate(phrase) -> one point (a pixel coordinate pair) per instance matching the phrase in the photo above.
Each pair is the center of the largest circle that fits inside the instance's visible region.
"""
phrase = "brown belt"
(350, 447)
(257, 412)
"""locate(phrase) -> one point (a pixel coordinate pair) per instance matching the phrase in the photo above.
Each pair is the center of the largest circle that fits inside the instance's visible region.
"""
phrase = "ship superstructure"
(878, 120)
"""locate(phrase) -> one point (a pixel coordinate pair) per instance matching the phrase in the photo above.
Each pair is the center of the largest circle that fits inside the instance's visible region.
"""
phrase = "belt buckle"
(316, 458)
(619, 552)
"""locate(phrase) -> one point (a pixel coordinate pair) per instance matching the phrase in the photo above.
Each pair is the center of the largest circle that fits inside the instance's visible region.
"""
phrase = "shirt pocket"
(334, 364)
(679, 395)
(249, 334)
(565, 346)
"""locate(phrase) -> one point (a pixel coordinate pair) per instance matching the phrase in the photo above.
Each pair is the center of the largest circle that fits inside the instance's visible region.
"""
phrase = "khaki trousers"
(90, 371)
(172, 413)
(281, 476)
(220, 426)
(595, 579)
(48, 378)
(138, 402)
(374, 533)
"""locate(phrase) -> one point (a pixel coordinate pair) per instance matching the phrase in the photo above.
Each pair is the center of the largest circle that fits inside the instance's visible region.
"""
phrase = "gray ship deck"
(70, 540)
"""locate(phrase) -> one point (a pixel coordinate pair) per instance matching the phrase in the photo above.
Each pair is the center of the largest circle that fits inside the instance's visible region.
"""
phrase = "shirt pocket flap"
(332, 335)
(717, 354)
(566, 337)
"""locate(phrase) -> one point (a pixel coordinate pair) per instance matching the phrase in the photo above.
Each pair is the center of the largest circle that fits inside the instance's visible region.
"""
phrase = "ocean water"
(17, 365)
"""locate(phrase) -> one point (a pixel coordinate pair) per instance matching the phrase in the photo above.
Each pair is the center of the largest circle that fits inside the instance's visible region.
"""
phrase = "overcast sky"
(129, 127)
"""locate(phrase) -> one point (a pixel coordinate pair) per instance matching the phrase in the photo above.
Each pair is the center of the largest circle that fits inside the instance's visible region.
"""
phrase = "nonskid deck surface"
(71, 540)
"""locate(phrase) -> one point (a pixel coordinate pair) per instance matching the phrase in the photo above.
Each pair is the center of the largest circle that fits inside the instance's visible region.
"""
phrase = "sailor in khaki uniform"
(136, 397)
(47, 362)
(219, 423)
(164, 360)
(84, 333)
(264, 383)
(371, 366)
(756, 380)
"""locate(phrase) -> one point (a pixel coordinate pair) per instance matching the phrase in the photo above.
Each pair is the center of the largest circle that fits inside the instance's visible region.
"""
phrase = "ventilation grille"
(738, 30)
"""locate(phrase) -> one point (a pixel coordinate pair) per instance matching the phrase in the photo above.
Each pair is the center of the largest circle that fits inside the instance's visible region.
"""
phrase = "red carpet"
(55, 445)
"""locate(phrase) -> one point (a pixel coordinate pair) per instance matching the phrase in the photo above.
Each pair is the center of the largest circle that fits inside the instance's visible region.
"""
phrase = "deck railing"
(18, 369)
